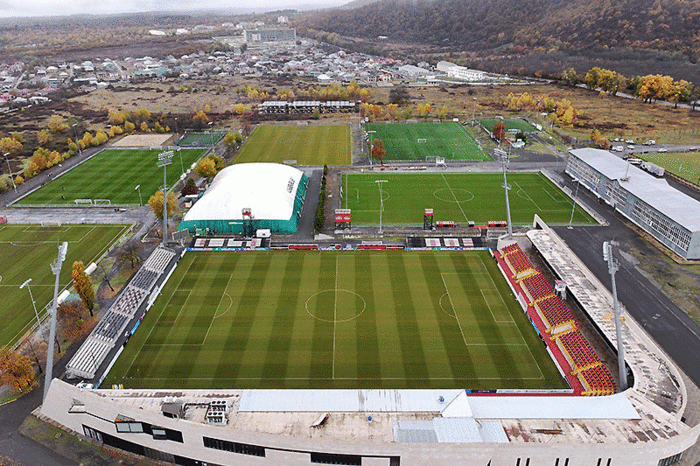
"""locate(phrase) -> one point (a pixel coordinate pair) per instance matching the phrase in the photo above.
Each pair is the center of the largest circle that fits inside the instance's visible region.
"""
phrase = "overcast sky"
(13, 8)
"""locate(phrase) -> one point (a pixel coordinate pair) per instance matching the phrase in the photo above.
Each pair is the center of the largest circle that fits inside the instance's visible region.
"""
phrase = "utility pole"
(56, 269)
(165, 159)
(613, 267)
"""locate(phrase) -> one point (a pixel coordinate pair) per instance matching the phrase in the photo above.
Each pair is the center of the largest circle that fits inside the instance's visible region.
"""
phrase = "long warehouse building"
(671, 217)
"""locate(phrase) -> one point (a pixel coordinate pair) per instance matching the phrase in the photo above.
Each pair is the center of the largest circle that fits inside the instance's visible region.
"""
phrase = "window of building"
(671, 460)
(234, 447)
(331, 458)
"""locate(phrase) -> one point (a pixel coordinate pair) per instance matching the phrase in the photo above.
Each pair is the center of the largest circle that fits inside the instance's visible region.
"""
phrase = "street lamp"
(75, 133)
(32, 298)
(211, 135)
(371, 145)
(139, 188)
(474, 111)
(381, 204)
(182, 166)
(505, 159)
(9, 169)
(578, 183)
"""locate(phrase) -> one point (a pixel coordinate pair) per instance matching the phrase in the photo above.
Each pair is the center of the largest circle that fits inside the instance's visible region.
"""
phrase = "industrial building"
(270, 35)
(460, 72)
(667, 214)
(247, 197)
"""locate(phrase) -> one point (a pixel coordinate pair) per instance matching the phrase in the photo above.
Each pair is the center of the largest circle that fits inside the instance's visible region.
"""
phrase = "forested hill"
(519, 25)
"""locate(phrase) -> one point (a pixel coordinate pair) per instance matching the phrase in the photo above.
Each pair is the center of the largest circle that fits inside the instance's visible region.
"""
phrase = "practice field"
(351, 319)
(684, 164)
(307, 145)
(477, 197)
(200, 139)
(514, 124)
(114, 175)
(420, 141)
(26, 251)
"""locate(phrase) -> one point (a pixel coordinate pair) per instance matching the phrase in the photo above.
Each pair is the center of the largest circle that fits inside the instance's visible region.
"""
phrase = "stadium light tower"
(381, 204)
(138, 186)
(371, 145)
(505, 159)
(38, 322)
(613, 267)
(56, 269)
(165, 159)
(9, 170)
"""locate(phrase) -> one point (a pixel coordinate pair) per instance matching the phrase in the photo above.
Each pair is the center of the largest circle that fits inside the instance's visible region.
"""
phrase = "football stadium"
(433, 346)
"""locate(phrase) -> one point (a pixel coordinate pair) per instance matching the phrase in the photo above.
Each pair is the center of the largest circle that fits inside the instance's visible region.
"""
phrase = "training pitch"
(684, 164)
(306, 145)
(114, 175)
(346, 319)
(26, 251)
(449, 140)
(200, 139)
(477, 197)
(512, 124)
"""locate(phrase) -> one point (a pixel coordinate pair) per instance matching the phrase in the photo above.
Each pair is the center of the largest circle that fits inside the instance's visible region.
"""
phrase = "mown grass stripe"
(409, 334)
(368, 360)
(238, 334)
(321, 365)
(277, 356)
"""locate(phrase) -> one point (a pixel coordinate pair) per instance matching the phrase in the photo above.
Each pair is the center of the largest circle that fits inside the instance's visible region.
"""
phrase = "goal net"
(83, 201)
(103, 202)
(421, 141)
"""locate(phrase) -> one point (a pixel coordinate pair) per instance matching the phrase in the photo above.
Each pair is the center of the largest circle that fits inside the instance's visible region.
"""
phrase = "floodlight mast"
(371, 145)
(613, 267)
(381, 204)
(56, 269)
(505, 159)
(26, 283)
(165, 159)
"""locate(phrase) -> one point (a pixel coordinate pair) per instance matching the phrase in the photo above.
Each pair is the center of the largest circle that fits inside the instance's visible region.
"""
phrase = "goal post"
(83, 201)
(102, 202)
(422, 141)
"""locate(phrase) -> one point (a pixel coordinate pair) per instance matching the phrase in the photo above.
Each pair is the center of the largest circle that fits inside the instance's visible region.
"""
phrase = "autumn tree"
(57, 124)
(11, 145)
(156, 203)
(189, 188)
(206, 168)
(15, 369)
(399, 95)
(35, 349)
(71, 316)
(44, 137)
(569, 77)
(131, 249)
(83, 285)
(378, 150)
(499, 131)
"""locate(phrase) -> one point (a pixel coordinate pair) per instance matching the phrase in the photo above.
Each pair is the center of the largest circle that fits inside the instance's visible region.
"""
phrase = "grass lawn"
(200, 139)
(26, 251)
(511, 124)
(114, 175)
(475, 197)
(684, 164)
(308, 145)
(357, 319)
(449, 140)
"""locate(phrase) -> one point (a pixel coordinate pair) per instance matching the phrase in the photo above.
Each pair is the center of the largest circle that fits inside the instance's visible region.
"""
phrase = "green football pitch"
(350, 319)
(515, 124)
(477, 197)
(684, 164)
(307, 145)
(449, 140)
(26, 251)
(114, 174)
(200, 139)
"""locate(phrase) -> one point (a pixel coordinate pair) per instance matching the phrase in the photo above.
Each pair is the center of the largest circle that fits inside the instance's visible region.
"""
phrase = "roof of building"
(656, 192)
(268, 189)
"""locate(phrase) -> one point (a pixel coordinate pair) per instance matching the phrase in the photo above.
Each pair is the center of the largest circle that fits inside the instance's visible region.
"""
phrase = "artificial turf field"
(350, 319)
(517, 124)
(684, 164)
(449, 140)
(459, 197)
(114, 174)
(200, 139)
(308, 145)
(26, 251)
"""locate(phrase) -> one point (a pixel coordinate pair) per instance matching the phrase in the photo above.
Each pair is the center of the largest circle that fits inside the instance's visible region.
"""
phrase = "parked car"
(618, 148)
(663, 149)
(650, 142)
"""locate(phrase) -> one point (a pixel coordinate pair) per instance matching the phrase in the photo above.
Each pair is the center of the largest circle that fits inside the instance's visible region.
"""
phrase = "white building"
(460, 72)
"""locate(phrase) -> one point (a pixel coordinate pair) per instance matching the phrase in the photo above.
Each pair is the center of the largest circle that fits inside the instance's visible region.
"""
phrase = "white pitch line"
(447, 290)
(335, 313)
(453, 195)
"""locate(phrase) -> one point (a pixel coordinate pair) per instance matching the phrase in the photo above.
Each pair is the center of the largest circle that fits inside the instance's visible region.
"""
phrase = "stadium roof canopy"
(273, 192)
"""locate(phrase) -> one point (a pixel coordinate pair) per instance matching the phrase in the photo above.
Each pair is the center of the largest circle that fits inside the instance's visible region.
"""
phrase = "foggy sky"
(16, 8)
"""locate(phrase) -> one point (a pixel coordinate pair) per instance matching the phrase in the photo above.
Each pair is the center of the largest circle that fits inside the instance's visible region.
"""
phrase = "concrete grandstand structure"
(272, 195)
(670, 216)
(640, 426)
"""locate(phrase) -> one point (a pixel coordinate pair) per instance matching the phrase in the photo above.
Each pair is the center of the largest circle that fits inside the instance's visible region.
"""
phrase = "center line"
(335, 313)
(453, 195)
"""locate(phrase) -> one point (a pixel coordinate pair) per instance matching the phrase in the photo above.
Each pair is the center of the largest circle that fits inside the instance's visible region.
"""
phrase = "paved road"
(677, 334)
